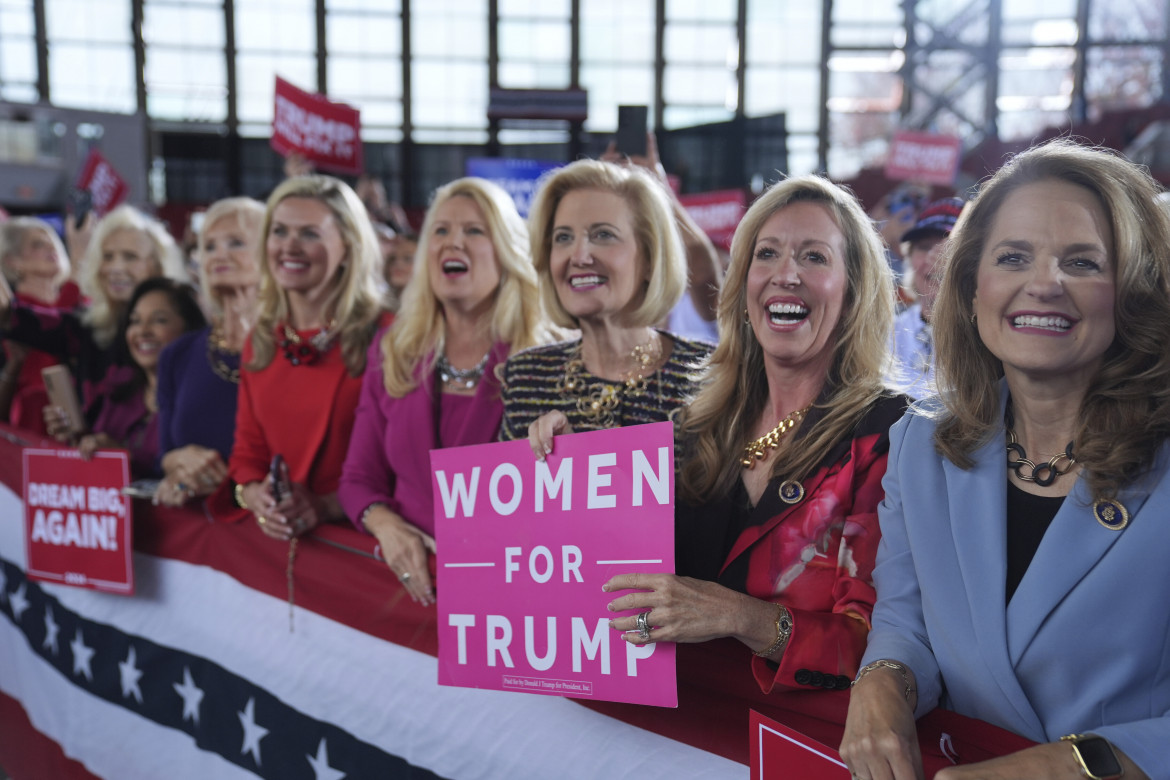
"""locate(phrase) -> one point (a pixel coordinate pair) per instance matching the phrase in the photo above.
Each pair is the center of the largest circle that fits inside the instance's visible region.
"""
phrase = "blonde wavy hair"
(734, 390)
(248, 215)
(517, 315)
(354, 301)
(659, 244)
(1125, 415)
(15, 232)
(103, 314)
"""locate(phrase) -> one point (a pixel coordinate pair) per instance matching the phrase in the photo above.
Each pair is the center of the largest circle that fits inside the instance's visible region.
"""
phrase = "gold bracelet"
(783, 631)
(239, 494)
(883, 663)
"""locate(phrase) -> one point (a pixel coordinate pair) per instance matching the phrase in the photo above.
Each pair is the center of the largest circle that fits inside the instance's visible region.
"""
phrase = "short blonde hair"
(248, 214)
(353, 302)
(655, 231)
(15, 232)
(734, 391)
(102, 315)
(517, 317)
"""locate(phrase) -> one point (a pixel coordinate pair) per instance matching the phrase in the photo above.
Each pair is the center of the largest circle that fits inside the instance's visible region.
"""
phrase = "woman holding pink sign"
(784, 449)
(613, 265)
(431, 379)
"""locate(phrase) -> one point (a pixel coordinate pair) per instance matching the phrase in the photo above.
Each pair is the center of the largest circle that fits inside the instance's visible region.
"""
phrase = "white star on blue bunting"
(253, 732)
(192, 696)
(82, 655)
(51, 631)
(18, 602)
(130, 674)
(320, 764)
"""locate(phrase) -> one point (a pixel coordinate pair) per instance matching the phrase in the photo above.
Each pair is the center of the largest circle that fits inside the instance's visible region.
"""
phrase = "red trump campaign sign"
(327, 134)
(779, 752)
(77, 522)
(106, 186)
(926, 157)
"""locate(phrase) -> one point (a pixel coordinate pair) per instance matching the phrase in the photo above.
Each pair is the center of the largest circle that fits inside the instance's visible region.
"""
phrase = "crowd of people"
(944, 495)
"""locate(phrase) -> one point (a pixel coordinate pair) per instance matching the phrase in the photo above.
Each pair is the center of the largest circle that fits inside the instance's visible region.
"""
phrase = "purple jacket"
(129, 422)
(388, 459)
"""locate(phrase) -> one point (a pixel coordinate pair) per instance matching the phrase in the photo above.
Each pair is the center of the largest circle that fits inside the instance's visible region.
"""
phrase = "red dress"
(303, 412)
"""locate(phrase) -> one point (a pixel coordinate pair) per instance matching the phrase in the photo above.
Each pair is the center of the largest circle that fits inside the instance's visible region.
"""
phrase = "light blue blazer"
(1085, 643)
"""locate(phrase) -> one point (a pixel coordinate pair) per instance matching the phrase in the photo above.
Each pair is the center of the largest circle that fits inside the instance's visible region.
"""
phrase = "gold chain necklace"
(597, 401)
(217, 348)
(758, 449)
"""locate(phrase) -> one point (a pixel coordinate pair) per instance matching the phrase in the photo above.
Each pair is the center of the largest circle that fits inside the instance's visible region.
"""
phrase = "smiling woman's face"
(796, 285)
(594, 261)
(154, 323)
(1045, 287)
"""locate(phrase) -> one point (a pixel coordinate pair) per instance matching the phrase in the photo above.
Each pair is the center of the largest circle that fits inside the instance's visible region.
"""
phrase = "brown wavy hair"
(733, 391)
(1125, 415)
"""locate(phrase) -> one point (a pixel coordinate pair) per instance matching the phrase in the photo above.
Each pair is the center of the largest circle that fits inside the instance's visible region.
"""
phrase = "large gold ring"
(261, 519)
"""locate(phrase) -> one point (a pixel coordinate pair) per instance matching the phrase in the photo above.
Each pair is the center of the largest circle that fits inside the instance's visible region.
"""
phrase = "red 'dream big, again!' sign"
(327, 134)
(76, 520)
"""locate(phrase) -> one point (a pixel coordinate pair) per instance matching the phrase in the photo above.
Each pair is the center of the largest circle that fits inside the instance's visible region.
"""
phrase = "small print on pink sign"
(523, 549)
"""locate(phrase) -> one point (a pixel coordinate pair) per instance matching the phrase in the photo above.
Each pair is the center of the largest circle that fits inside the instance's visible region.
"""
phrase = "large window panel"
(186, 69)
(617, 58)
(534, 53)
(1035, 90)
(18, 53)
(793, 91)
(91, 55)
(273, 38)
(1123, 77)
(1127, 20)
(701, 50)
(868, 23)
(449, 70)
(1040, 23)
(364, 66)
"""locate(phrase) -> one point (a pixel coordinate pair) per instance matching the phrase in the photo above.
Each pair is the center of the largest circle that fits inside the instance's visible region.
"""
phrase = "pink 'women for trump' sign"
(524, 547)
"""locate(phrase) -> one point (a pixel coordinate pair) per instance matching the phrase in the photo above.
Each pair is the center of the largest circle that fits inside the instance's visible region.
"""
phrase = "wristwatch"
(1095, 755)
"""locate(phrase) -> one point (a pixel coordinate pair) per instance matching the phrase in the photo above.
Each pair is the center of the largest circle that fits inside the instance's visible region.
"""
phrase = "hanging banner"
(76, 520)
(325, 133)
(105, 185)
(524, 547)
(929, 158)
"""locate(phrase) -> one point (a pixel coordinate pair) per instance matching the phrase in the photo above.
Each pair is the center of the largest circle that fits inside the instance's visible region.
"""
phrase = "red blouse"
(814, 556)
(304, 412)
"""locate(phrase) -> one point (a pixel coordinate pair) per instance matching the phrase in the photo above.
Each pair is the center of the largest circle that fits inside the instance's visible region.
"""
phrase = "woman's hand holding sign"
(683, 609)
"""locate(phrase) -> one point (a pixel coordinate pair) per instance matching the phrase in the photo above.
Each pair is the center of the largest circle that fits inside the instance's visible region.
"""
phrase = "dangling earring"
(972, 318)
(747, 320)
